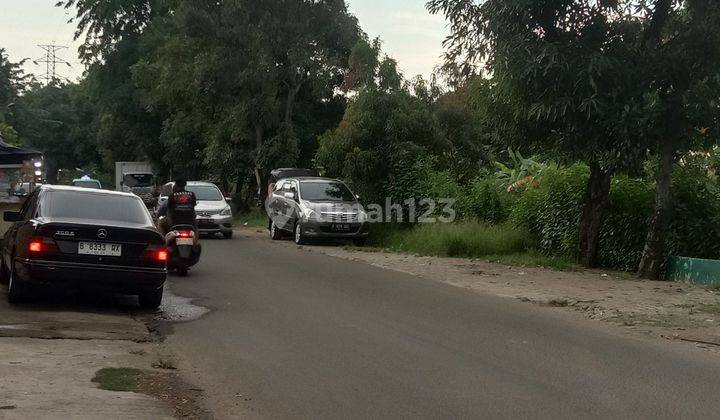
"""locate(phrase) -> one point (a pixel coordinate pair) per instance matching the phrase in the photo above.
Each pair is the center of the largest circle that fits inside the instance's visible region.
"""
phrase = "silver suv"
(214, 214)
(314, 207)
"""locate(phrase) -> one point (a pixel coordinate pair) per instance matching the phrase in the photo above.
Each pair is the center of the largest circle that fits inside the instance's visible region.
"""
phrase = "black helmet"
(180, 182)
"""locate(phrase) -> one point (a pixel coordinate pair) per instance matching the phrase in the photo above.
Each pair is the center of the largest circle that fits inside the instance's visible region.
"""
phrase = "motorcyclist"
(179, 208)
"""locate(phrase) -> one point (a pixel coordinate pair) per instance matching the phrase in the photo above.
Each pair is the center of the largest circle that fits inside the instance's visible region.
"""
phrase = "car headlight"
(309, 214)
(226, 212)
(362, 216)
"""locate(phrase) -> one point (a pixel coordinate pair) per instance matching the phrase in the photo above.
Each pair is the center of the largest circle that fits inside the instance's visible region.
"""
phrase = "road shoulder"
(50, 354)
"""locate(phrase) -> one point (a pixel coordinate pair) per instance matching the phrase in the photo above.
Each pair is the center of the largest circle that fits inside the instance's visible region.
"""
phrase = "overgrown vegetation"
(455, 240)
(496, 243)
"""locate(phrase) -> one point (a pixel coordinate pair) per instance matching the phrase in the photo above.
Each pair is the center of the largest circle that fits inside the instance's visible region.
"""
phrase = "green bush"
(695, 228)
(624, 231)
(548, 216)
(552, 211)
(487, 200)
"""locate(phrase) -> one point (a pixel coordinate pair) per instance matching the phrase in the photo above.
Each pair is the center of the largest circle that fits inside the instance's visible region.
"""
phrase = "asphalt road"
(296, 334)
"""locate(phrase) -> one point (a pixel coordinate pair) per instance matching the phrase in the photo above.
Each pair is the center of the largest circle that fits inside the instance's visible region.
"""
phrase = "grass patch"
(533, 258)
(498, 243)
(253, 218)
(119, 379)
(453, 240)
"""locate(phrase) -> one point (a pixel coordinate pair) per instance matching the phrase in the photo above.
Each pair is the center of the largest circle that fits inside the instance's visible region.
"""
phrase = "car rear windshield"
(94, 206)
(138, 180)
(87, 184)
(325, 191)
(206, 192)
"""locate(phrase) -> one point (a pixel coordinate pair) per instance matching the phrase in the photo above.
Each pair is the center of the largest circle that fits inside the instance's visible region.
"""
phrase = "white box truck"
(137, 178)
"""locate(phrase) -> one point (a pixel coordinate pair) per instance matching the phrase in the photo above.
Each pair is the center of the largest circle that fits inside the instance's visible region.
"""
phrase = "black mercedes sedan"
(70, 237)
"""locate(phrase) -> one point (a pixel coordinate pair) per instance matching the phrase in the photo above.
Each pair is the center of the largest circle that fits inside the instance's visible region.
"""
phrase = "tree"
(230, 75)
(13, 82)
(682, 56)
(58, 121)
(385, 132)
(105, 23)
(568, 68)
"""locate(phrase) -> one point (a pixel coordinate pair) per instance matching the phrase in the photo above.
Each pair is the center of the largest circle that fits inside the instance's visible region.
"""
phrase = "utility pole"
(51, 61)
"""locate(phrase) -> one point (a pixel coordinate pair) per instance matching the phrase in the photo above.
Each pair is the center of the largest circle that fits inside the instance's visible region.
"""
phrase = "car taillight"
(36, 245)
(186, 234)
(44, 245)
(156, 253)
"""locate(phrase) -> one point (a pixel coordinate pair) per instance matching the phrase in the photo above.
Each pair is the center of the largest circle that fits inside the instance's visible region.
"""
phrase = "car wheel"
(275, 233)
(151, 299)
(4, 272)
(17, 292)
(299, 237)
(182, 271)
(228, 235)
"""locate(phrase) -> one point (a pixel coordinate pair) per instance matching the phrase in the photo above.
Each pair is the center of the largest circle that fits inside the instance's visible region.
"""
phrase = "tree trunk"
(290, 102)
(51, 172)
(654, 253)
(597, 198)
(244, 194)
(261, 192)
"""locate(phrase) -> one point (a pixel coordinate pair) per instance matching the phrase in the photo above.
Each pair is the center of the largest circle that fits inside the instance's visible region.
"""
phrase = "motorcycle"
(183, 248)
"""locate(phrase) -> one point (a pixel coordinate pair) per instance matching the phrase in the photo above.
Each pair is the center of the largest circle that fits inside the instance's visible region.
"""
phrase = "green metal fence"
(694, 270)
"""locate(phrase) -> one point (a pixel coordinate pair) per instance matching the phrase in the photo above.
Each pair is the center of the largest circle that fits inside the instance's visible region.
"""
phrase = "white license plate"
(184, 241)
(97, 248)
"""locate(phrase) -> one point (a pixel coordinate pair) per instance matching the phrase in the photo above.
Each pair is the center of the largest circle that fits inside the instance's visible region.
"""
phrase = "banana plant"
(520, 172)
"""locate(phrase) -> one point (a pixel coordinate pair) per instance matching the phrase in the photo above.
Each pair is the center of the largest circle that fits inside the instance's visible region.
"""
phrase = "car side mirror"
(12, 216)
(357, 197)
(228, 199)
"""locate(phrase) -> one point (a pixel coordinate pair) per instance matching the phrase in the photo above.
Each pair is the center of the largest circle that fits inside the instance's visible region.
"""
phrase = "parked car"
(87, 182)
(282, 173)
(214, 214)
(68, 236)
(314, 207)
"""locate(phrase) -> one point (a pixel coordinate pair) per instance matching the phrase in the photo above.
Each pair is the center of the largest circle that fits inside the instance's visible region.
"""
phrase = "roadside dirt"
(674, 311)
(50, 352)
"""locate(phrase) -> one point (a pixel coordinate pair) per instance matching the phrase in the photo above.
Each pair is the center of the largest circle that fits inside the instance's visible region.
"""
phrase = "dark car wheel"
(275, 232)
(17, 290)
(182, 271)
(4, 272)
(151, 299)
(227, 235)
(299, 236)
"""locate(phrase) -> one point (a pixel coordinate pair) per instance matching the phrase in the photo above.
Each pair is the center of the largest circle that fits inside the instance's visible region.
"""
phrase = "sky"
(409, 33)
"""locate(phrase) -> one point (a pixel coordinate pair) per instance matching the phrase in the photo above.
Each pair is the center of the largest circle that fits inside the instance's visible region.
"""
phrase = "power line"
(51, 61)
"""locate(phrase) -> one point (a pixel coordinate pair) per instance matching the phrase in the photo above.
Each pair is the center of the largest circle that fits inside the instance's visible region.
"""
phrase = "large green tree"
(387, 129)
(206, 87)
(13, 82)
(568, 69)
(681, 53)
(58, 120)
(230, 76)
